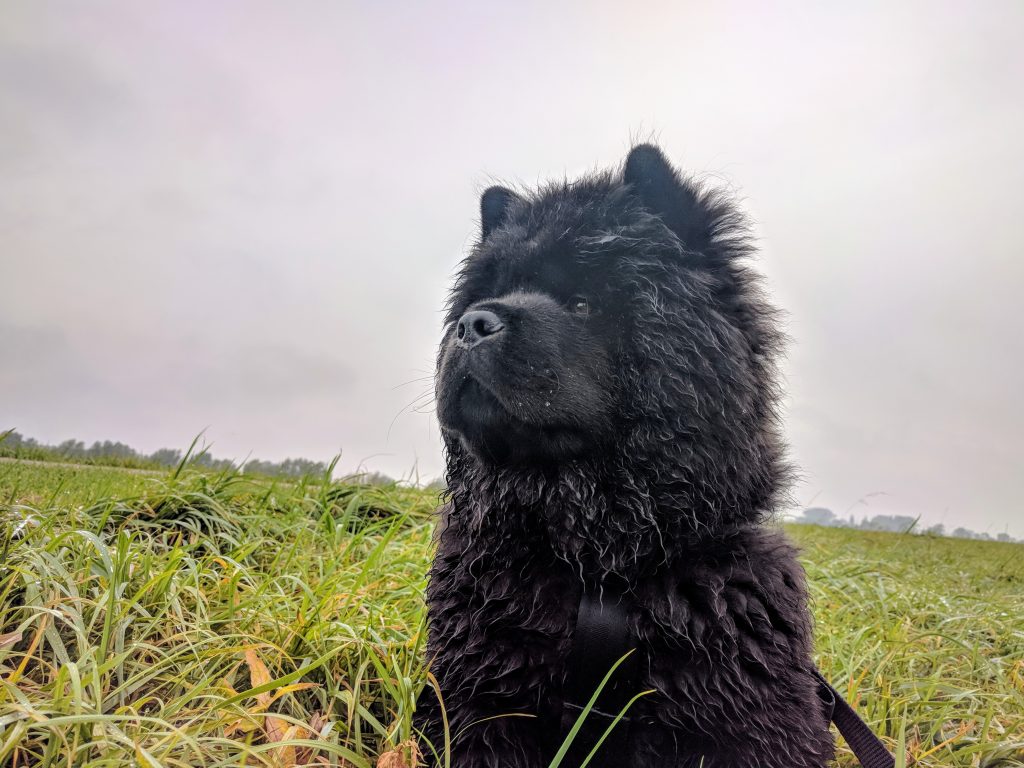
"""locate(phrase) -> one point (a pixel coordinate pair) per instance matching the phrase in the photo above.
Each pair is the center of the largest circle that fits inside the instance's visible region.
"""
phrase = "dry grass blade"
(405, 755)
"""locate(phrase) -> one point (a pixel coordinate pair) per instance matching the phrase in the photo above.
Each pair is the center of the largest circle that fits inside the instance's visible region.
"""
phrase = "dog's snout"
(477, 325)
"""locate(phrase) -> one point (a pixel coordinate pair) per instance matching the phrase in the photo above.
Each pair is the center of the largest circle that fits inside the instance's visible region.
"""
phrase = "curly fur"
(638, 440)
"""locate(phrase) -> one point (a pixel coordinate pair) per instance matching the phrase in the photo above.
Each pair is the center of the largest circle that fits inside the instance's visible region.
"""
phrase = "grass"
(190, 619)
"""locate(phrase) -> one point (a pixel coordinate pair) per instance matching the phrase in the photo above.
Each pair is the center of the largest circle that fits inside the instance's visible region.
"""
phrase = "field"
(190, 619)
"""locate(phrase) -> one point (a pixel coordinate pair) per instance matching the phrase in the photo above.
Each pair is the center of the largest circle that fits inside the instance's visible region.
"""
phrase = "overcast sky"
(243, 216)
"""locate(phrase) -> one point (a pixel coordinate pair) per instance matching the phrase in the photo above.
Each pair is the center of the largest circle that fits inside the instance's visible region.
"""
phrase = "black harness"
(601, 639)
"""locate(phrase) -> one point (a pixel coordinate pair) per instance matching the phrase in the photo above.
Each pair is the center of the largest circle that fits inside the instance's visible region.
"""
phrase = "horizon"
(790, 513)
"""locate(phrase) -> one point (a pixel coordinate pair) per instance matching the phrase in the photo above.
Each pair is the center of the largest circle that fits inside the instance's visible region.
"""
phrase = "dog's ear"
(662, 191)
(494, 206)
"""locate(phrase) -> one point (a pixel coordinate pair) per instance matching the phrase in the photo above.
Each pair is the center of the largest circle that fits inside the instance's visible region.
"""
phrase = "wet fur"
(640, 441)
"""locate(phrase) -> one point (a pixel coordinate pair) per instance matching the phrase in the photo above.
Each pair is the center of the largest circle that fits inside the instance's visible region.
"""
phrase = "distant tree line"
(15, 445)
(895, 523)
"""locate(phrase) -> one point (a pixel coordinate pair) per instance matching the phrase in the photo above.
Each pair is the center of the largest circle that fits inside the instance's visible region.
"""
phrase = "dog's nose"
(477, 325)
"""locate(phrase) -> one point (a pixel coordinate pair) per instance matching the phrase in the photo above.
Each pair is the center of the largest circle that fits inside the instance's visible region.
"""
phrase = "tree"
(11, 439)
(818, 516)
(895, 523)
(72, 448)
(167, 457)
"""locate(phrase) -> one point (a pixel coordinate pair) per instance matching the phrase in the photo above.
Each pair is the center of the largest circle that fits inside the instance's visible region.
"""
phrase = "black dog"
(607, 391)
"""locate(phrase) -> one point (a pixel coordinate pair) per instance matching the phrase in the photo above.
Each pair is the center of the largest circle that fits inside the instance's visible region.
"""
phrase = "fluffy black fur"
(607, 393)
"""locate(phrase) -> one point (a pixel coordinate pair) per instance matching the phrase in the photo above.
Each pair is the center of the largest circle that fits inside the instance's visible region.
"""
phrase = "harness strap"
(867, 747)
(601, 639)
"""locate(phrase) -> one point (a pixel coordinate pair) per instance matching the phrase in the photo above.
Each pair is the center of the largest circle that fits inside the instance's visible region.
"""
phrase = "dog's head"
(601, 315)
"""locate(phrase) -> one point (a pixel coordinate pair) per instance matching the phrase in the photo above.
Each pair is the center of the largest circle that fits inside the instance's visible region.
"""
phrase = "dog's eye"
(579, 305)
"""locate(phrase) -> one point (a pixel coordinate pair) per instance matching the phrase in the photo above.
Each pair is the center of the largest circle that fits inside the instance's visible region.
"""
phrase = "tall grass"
(211, 620)
(188, 619)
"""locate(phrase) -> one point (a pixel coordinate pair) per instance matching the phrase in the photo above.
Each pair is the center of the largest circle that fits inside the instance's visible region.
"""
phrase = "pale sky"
(243, 216)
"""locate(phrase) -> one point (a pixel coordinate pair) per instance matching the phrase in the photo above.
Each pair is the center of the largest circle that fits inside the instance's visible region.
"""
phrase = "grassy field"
(200, 619)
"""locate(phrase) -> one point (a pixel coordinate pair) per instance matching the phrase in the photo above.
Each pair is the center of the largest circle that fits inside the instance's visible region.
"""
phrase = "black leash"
(867, 747)
(602, 638)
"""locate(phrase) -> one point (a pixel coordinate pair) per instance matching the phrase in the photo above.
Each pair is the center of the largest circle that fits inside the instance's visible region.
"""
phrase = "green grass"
(55, 486)
(214, 619)
(925, 636)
